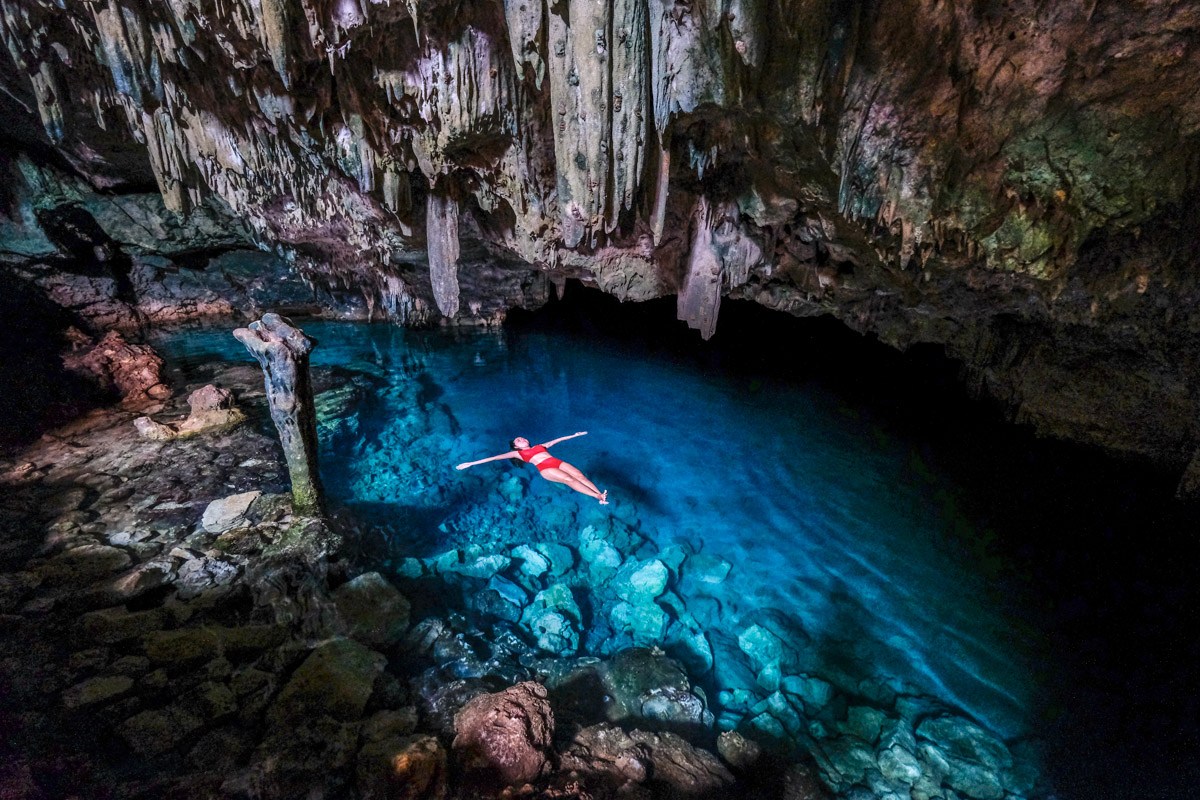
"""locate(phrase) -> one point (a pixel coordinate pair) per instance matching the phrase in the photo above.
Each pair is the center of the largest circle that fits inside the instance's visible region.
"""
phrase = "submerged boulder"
(646, 685)
(554, 620)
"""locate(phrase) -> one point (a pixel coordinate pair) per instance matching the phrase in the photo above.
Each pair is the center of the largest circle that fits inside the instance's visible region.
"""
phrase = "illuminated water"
(830, 514)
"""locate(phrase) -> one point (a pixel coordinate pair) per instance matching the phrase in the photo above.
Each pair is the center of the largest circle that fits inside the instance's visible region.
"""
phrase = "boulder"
(554, 620)
(158, 730)
(228, 512)
(530, 562)
(131, 370)
(504, 739)
(646, 624)
(402, 768)
(336, 680)
(665, 761)
(640, 582)
(96, 690)
(602, 557)
(644, 684)
(738, 751)
(212, 409)
(375, 612)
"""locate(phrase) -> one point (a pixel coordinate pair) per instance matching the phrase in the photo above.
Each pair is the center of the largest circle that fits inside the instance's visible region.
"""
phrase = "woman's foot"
(604, 497)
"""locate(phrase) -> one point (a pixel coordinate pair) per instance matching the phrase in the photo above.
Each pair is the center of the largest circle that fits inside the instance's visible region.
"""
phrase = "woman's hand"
(581, 433)
(464, 465)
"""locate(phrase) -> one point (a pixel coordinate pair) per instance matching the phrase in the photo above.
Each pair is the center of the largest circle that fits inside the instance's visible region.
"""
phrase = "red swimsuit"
(545, 463)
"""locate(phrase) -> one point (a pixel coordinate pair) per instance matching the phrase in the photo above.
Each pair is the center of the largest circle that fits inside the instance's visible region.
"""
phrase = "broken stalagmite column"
(283, 350)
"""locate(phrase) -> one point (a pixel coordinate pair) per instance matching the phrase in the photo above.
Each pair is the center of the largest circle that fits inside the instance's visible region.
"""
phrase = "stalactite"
(441, 221)
(699, 298)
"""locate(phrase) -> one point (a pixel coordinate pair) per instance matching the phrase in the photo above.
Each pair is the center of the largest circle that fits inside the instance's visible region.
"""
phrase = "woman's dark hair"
(513, 446)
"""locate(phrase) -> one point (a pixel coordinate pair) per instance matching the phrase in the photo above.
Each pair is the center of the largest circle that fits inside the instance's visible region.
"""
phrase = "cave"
(599, 399)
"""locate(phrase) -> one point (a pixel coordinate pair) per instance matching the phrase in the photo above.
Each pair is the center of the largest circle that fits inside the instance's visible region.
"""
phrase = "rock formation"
(282, 351)
(212, 409)
(1017, 184)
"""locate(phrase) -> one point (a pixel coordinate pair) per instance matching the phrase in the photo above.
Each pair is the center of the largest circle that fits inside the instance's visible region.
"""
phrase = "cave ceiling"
(993, 177)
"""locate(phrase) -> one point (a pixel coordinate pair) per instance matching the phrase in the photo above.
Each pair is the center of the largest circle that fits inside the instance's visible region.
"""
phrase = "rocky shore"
(171, 628)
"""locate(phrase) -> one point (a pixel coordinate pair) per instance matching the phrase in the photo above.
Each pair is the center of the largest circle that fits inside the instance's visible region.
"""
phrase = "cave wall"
(1016, 180)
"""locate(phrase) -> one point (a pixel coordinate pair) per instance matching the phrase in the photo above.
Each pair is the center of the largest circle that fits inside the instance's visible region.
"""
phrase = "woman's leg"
(557, 475)
(574, 472)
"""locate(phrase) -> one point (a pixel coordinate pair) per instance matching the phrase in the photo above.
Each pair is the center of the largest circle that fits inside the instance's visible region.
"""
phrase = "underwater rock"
(974, 760)
(560, 557)
(646, 623)
(531, 562)
(375, 612)
(603, 558)
(644, 684)
(815, 692)
(641, 582)
(228, 512)
(707, 569)
(505, 739)
(554, 620)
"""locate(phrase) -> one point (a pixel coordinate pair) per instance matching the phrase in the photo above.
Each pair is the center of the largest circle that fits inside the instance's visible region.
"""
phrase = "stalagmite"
(282, 351)
(441, 225)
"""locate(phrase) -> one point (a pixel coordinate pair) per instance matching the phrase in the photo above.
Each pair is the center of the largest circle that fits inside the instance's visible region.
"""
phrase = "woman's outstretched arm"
(509, 454)
(553, 442)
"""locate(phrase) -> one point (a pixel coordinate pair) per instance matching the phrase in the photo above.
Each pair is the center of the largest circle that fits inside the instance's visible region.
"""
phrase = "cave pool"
(845, 534)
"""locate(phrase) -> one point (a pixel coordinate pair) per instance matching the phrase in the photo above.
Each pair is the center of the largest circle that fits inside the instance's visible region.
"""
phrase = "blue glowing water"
(825, 514)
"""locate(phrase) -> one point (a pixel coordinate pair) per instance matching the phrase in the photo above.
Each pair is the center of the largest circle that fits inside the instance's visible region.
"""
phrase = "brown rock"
(504, 738)
(132, 370)
(617, 757)
(402, 768)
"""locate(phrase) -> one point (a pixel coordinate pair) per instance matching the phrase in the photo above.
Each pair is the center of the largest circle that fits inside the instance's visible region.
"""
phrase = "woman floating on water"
(549, 467)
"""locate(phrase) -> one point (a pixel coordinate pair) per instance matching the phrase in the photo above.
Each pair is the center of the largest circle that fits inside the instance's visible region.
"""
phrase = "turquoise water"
(829, 519)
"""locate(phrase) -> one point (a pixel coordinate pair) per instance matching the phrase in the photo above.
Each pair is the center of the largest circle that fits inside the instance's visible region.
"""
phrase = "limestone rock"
(662, 759)
(228, 512)
(505, 738)
(212, 409)
(647, 685)
(739, 752)
(335, 680)
(158, 730)
(97, 690)
(641, 582)
(131, 370)
(554, 620)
